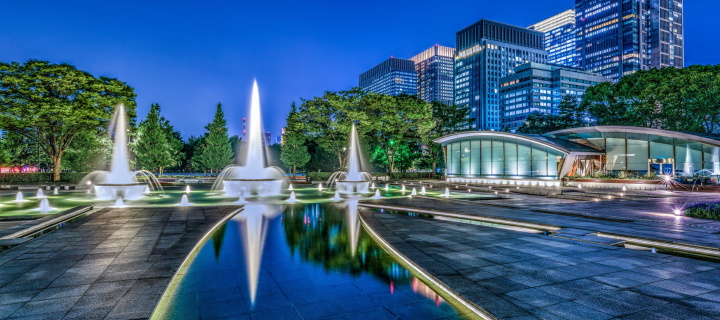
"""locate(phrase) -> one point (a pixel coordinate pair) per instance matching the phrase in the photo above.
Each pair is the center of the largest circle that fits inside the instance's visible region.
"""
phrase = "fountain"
(120, 181)
(414, 193)
(187, 189)
(45, 206)
(119, 203)
(447, 193)
(56, 190)
(320, 187)
(402, 189)
(377, 195)
(19, 197)
(337, 198)
(241, 200)
(254, 178)
(422, 191)
(40, 194)
(255, 220)
(352, 181)
(292, 197)
(184, 202)
(290, 188)
(372, 186)
(387, 187)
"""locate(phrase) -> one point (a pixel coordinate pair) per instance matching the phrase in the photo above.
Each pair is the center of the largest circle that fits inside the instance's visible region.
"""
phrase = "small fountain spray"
(45, 206)
(422, 191)
(119, 203)
(402, 189)
(19, 197)
(377, 195)
(147, 190)
(292, 197)
(447, 193)
(56, 190)
(187, 189)
(337, 196)
(387, 187)
(624, 189)
(319, 186)
(579, 186)
(184, 202)
(290, 188)
(414, 192)
(373, 186)
(40, 194)
(241, 200)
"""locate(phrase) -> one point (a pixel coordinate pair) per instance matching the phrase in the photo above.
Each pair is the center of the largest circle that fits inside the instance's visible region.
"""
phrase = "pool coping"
(44, 222)
(181, 271)
(438, 286)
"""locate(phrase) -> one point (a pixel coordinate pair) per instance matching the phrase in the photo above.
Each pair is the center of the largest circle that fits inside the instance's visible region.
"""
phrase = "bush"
(40, 177)
(707, 210)
(315, 176)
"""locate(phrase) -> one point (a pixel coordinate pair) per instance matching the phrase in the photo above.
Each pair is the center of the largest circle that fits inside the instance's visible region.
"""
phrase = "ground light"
(677, 212)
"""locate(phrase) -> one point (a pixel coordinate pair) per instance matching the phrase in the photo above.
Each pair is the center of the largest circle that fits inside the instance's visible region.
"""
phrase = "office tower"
(559, 38)
(393, 76)
(435, 74)
(620, 37)
(487, 51)
(539, 88)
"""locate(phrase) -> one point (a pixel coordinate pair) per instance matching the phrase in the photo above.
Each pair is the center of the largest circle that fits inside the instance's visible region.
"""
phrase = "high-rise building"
(539, 88)
(487, 51)
(620, 37)
(434, 68)
(393, 76)
(559, 38)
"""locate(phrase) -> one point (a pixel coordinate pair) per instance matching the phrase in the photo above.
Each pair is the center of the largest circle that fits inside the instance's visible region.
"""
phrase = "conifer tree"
(216, 152)
(294, 152)
(157, 145)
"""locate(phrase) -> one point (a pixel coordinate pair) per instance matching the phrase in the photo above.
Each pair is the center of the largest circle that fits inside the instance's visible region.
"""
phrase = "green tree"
(396, 121)
(570, 116)
(448, 119)
(216, 152)
(87, 151)
(53, 103)
(157, 145)
(294, 152)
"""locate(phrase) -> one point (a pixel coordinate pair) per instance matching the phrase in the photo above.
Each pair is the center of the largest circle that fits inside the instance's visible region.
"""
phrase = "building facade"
(393, 77)
(616, 38)
(435, 74)
(579, 151)
(559, 36)
(486, 52)
(539, 88)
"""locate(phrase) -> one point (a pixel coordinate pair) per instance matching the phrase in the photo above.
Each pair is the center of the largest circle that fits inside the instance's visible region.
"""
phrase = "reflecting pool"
(309, 261)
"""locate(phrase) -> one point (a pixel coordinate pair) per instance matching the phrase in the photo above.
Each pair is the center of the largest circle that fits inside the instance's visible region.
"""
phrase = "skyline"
(188, 57)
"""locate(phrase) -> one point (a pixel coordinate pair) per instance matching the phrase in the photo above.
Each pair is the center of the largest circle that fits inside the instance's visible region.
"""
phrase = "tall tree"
(157, 145)
(87, 151)
(294, 152)
(448, 119)
(395, 121)
(570, 116)
(53, 103)
(216, 152)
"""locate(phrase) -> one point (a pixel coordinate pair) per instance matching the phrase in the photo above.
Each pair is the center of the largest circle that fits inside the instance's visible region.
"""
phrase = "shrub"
(315, 176)
(707, 210)
(40, 177)
(622, 175)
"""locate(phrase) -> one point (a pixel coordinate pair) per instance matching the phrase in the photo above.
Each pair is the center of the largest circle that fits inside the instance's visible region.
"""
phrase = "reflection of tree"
(319, 234)
(217, 240)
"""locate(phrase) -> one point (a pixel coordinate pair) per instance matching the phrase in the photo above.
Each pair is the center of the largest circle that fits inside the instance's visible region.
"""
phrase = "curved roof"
(561, 145)
(713, 140)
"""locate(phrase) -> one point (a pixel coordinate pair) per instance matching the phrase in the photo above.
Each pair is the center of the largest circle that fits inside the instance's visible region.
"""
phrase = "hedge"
(315, 176)
(40, 177)
(707, 210)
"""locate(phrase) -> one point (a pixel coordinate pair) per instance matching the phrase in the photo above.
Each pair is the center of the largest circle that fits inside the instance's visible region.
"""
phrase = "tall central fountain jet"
(254, 178)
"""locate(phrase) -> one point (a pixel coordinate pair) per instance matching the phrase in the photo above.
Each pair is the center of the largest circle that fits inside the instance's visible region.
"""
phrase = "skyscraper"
(559, 38)
(620, 37)
(393, 76)
(487, 51)
(435, 74)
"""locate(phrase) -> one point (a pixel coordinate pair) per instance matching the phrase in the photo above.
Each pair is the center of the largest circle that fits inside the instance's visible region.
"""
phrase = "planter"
(624, 181)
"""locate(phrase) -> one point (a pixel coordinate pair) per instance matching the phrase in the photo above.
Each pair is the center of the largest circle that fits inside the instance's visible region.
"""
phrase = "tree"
(396, 121)
(156, 145)
(448, 119)
(216, 152)
(87, 150)
(53, 103)
(570, 116)
(294, 152)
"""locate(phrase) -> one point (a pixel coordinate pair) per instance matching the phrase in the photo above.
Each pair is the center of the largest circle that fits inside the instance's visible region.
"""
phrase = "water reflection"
(254, 225)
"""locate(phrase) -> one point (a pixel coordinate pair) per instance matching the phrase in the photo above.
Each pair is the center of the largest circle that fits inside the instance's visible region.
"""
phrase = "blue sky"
(189, 55)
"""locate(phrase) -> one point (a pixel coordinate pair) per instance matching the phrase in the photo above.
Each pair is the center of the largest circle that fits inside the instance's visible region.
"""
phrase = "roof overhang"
(638, 130)
(472, 134)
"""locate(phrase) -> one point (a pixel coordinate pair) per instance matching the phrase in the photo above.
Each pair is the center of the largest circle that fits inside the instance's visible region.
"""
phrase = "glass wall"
(498, 156)
(635, 152)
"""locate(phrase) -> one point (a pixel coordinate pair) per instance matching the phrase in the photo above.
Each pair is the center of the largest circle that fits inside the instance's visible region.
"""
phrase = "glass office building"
(435, 74)
(584, 150)
(393, 77)
(487, 51)
(559, 37)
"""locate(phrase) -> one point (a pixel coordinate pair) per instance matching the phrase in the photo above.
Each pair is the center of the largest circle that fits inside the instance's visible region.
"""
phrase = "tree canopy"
(294, 152)
(215, 150)
(157, 145)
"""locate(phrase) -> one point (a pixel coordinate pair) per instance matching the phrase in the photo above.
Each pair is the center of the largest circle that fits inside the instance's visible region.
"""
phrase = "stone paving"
(518, 275)
(113, 264)
(648, 218)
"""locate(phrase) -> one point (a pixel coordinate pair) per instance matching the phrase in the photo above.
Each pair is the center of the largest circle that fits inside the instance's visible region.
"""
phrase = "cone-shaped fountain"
(290, 188)
(184, 201)
(402, 189)
(414, 192)
(120, 181)
(19, 197)
(354, 180)
(387, 187)
(292, 197)
(337, 196)
(422, 191)
(118, 203)
(241, 200)
(187, 189)
(320, 187)
(377, 195)
(373, 186)
(40, 194)
(447, 193)
(56, 191)
(45, 206)
(254, 178)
